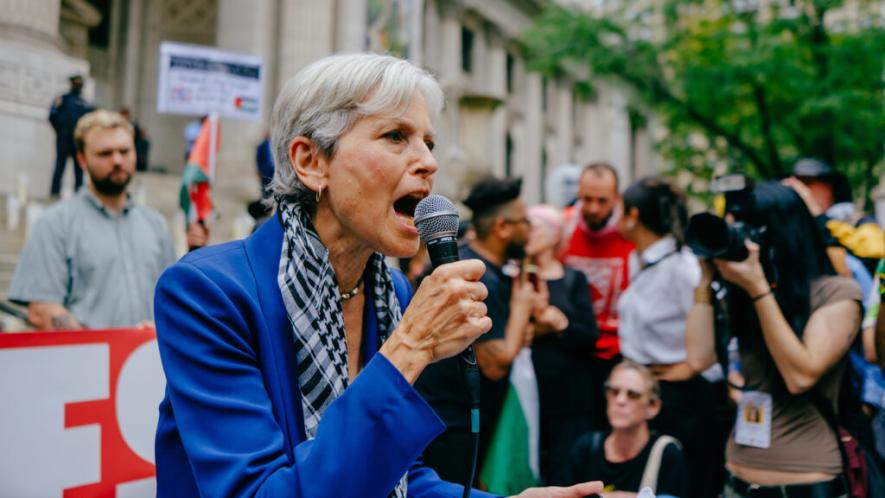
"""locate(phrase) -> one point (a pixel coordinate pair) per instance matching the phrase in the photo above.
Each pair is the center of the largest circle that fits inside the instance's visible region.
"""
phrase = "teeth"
(406, 219)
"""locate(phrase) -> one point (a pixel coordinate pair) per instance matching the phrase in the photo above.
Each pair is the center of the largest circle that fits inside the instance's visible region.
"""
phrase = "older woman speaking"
(289, 364)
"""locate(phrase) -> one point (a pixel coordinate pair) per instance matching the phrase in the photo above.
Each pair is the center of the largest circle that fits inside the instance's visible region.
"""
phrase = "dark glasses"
(615, 391)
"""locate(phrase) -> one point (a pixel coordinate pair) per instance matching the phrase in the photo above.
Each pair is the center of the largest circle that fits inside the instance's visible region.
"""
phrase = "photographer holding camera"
(794, 320)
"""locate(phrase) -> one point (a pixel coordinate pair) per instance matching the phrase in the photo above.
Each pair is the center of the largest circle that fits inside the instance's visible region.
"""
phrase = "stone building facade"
(500, 118)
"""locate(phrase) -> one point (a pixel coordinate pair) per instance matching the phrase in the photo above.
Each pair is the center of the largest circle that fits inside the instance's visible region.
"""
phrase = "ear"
(633, 213)
(81, 160)
(308, 163)
(654, 408)
(501, 228)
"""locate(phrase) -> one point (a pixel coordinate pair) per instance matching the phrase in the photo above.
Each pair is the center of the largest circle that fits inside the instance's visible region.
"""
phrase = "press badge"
(754, 420)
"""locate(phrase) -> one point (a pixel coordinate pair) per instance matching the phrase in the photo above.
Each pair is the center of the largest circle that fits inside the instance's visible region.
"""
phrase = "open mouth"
(405, 207)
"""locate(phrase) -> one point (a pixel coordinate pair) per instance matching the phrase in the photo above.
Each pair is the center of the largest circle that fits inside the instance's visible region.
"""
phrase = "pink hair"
(550, 219)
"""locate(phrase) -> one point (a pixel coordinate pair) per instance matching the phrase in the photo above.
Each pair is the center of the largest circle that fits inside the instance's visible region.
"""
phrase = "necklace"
(352, 292)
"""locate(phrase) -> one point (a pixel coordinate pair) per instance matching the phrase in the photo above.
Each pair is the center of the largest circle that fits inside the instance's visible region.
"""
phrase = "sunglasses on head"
(614, 391)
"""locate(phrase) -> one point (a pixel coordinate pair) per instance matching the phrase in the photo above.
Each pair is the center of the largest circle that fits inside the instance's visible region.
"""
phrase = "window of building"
(508, 155)
(100, 35)
(466, 50)
(511, 62)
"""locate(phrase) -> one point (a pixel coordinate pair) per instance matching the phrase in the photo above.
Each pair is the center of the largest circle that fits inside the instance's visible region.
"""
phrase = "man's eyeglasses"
(613, 392)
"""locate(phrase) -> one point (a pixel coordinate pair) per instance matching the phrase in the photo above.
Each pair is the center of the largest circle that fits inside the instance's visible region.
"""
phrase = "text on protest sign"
(80, 413)
(196, 80)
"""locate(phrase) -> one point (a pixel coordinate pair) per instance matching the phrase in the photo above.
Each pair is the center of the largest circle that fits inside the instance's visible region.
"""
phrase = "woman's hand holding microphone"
(446, 314)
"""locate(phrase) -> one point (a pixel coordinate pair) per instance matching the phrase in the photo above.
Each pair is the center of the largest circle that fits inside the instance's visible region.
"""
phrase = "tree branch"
(765, 125)
(659, 90)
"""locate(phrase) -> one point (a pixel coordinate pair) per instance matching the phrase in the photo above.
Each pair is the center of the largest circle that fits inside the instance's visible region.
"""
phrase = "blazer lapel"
(263, 251)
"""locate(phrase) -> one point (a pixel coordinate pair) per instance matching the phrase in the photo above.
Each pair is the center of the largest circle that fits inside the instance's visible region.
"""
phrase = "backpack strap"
(653, 464)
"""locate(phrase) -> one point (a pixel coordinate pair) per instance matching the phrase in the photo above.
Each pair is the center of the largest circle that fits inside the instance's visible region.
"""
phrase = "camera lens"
(710, 236)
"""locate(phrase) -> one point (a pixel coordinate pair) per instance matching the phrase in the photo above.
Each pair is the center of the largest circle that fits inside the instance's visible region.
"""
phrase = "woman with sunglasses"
(630, 457)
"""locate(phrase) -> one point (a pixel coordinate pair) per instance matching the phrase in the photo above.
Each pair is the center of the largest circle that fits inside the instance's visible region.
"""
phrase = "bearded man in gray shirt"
(93, 260)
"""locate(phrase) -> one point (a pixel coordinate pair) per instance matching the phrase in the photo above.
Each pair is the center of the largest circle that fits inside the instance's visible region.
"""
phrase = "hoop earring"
(318, 194)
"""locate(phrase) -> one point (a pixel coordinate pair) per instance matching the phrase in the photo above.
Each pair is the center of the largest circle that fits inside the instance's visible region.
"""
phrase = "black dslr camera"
(710, 236)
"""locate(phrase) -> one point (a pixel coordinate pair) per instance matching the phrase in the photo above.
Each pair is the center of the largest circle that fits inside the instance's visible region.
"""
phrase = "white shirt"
(654, 307)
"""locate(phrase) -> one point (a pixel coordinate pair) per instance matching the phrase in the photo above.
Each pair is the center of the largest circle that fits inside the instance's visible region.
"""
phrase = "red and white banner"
(78, 413)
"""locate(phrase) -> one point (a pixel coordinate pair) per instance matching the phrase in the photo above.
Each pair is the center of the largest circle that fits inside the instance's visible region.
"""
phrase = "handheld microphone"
(437, 222)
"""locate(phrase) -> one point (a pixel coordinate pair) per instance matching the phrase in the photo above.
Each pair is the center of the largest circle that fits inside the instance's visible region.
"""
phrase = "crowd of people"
(657, 364)
(727, 375)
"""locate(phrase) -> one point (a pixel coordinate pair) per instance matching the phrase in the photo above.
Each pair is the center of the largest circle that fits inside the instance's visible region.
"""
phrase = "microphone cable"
(470, 371)
(436, 219)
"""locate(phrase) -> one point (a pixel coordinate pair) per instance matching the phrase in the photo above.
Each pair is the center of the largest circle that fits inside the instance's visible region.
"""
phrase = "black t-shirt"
(562, 361)
(588, 463)
(442, 383)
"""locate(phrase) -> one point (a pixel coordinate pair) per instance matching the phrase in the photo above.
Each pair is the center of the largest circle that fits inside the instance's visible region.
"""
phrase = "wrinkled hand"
(447, 313)
(747, 274)
(576, 491)
(805, 193)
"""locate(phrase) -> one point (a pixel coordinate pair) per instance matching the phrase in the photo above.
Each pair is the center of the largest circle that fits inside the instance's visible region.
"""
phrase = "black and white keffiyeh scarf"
(313, 302)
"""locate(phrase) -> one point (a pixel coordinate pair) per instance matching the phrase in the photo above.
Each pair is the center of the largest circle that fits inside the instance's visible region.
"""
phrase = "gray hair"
(327, 97)
(654, 387)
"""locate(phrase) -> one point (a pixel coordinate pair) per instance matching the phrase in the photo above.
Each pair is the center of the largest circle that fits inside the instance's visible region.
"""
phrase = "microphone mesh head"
(436, 216)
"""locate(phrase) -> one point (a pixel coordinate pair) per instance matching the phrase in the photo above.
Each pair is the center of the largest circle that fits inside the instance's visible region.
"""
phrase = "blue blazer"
(231, 422)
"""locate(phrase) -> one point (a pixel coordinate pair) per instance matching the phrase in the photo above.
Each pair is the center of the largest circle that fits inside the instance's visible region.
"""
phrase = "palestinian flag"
(511, 464)
(195, 196)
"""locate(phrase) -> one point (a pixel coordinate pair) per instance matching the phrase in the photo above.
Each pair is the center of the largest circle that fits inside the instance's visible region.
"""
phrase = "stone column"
(306, 33)
(351, 24)
(115, 53)
(33, 22)
(432, 29)
(416, 32)
(532, 139)
(618, 122)
(249, 28)
(33, 70)
(563, 115)
(490, 68)
(444, 58)
(131, 68)
(449, 46)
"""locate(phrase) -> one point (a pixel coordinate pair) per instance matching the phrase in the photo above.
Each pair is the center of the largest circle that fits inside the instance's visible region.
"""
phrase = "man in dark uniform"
(65, 111)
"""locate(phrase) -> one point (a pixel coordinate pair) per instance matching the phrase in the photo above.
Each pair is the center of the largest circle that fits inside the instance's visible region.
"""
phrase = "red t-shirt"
(603, 256)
